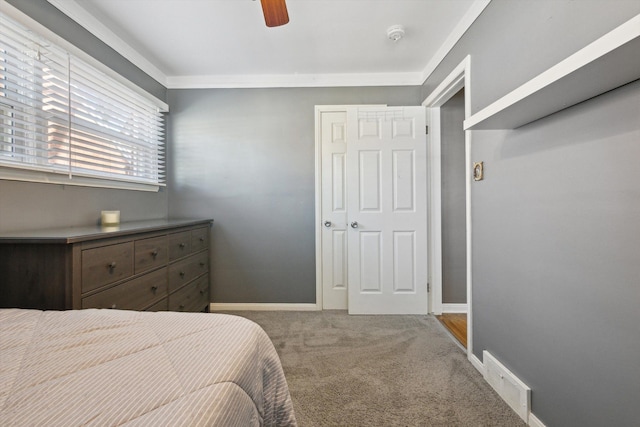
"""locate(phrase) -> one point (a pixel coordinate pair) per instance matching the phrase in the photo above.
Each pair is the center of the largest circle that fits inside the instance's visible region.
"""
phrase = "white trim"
(476, 362)
(449, 86)
(455, 308)
(508, 386)
(318, 204)
(534, 421)
(223, 306)
(42, 177)
(85, 19)
(556, 88)
(434, 211)
(456, 80)
(293, 80)
(32, 24)
(469, 176)
(463, 25)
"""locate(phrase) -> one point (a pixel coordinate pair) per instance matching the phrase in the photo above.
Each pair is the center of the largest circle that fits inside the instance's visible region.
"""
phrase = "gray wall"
(556, 236)
(26, 205)
(454, 226)
(245, 157)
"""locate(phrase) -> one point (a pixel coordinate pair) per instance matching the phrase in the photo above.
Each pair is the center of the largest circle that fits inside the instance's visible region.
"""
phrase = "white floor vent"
(513, 391)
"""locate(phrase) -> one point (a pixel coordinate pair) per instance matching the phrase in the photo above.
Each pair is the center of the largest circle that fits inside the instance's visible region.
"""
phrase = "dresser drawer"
(159, 306)
(199, 239)
(106, 264)
(184, 271)
(193, 297)
(135, 294)
(150, 253)
(179, 245)
(85, 266)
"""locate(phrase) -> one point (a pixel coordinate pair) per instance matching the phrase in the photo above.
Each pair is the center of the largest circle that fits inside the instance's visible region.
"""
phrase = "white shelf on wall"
(609, 62)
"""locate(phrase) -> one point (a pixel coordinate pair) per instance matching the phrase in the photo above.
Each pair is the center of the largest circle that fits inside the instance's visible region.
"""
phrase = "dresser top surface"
(69, 235)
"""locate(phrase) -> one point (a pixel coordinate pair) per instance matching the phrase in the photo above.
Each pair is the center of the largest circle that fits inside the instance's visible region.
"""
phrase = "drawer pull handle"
(181, 274)
(154, 289)
(201, 263)
(182, 245)
(154, 253)
(202, 239)
(201, 291)
(111, 266)
(181, 307)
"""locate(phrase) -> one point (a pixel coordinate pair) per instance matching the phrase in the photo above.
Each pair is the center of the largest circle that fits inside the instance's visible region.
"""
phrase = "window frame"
(22, 172)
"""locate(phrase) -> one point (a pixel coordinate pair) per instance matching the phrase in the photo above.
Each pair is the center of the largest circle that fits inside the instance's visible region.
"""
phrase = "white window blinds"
(60, 115)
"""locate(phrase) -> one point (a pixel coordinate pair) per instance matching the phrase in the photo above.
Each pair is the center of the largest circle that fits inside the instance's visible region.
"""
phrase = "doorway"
(454, 227)
(456, 324)
(453, 206)
(457, 83)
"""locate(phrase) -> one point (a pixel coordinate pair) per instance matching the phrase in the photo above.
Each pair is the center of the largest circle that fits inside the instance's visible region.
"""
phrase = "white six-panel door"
(373, 207)
(387, 205)
(333, 137)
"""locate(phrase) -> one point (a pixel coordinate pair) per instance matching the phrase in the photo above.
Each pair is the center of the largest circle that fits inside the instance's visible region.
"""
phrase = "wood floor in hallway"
(456, 323)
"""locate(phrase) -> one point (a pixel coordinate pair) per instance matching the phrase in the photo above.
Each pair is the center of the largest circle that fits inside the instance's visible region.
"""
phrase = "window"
(63, 120)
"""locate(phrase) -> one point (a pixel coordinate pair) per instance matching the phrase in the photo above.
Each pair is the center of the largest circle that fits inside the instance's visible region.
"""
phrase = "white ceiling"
(225, 43)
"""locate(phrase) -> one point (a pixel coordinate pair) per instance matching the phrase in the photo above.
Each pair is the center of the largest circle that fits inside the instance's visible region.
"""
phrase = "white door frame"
(319, 109)
(459, 78)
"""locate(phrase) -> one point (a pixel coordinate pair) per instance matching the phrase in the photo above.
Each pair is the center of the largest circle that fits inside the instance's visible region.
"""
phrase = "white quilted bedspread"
(112, 368)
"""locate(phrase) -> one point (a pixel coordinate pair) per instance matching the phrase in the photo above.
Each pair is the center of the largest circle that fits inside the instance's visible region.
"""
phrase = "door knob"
(327, 224)
(354, 224)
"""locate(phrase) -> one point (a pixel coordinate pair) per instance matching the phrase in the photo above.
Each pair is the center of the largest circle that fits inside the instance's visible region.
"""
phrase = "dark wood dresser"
(147, 265)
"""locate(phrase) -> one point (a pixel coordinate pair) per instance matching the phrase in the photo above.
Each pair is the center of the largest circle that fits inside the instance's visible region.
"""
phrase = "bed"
(128, 368)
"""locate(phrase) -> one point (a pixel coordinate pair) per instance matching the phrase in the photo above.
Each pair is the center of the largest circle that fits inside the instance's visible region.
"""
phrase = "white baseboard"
(476, 363)
(534, 421)
(455, 308)
(508, 386)
(222, 306)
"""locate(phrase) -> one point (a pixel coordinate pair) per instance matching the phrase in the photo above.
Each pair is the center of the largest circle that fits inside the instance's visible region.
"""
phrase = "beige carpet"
(379, 371)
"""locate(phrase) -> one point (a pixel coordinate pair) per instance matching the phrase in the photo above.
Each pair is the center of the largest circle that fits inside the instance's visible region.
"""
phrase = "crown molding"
(463, 25)
(75, 11)
(294, 80)
(80, 15)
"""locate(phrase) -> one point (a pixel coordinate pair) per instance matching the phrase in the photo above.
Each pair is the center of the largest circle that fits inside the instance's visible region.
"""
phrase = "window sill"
(81, 181)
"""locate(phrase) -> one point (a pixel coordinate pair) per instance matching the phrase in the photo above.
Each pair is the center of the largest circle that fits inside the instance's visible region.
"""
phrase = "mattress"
(127, 368)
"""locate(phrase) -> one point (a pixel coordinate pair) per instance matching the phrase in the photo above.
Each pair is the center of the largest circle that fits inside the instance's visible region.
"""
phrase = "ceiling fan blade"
(275, 12)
